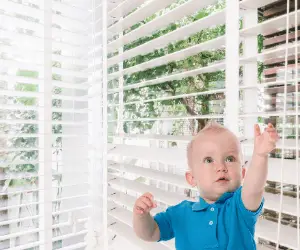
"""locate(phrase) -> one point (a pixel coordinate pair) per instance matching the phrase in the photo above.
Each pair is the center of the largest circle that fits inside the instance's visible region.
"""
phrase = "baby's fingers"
(142, 206)
(147, 201)
(139, 210)
(149, 198)
(256, 130)
(273, 136)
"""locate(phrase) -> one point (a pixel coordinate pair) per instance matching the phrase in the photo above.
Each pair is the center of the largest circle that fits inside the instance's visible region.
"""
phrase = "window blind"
(44, 170)
(173, 67)
(96, 92)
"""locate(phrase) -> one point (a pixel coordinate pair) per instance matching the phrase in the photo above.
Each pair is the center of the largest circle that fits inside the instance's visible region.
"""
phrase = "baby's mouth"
(222, 180)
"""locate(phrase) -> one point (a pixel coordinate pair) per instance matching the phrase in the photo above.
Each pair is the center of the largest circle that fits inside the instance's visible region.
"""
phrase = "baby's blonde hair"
(211, 126)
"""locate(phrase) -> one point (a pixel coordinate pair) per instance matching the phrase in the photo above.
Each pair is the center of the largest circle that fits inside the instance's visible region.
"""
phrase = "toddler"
(226, 213)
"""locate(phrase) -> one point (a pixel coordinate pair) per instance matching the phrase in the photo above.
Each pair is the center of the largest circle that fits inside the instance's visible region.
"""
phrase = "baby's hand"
(144, 204)
(266, 142)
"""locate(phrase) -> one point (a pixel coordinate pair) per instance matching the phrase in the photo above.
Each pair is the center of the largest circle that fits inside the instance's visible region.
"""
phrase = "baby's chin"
(220, 190)
(215, 192)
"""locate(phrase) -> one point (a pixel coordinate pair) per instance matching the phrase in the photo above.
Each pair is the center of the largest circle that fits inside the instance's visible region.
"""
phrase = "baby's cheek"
(237, 181)
(236, 176)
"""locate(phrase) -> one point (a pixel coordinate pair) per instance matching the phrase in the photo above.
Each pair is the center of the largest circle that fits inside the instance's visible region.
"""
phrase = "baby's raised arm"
(256, 176)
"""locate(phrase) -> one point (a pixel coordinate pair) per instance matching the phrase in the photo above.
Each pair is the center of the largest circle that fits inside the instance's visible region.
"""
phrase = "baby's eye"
(208, 160)
(230, 159)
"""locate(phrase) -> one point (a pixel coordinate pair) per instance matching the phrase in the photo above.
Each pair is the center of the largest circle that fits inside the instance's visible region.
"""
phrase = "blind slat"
(173, 118)
(10, 6)
(149, 173)
(162, 41)
(277, 52)
(71, 98)
(3, 208)
(72, 11)
(269, 114)
(6, 150)
(20, 79)
(255, 4)
(26, 175)
(18, 234)
(210, 92)
(72, 111)
(160, 22)
(265, 229)
(126, 217)
(37, 42)
(289, 144)
(119, 198)
(159, 194)
(70, 235)
(271, 26)
(24, 52)
(37, 28)
(19, 93)
(74, 246)
(16, 22)
(211, 45)
(272, 202)
(264, 85)
(125, 231)
(28, 246)
(15, 235)
(165, 155)
(37, 189)
(274, 173)
(177, 76)
(182, 138)
(20, 121)
(70, 85)
(36, 108)
(10, 136)
(38, 67)
(137, 16)
(69, 72)
(2, 223)
(72, 210)
(124, 8)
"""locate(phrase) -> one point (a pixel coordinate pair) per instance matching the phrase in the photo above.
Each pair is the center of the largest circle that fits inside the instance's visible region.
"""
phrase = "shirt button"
(212, 209)
(211, 222)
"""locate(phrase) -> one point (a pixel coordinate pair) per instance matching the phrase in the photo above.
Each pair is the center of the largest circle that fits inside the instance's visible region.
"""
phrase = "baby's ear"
(190, 178)
(243, 171)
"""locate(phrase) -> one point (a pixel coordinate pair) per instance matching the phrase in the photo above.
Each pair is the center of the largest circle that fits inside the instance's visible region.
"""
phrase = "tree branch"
(188, 108)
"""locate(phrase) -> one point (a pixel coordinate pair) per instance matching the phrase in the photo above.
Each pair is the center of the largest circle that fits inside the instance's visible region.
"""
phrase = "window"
(44, 124)
(172, 65)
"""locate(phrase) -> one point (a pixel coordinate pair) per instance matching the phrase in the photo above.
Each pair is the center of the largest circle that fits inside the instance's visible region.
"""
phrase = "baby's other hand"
(144, 204)
(265, 142)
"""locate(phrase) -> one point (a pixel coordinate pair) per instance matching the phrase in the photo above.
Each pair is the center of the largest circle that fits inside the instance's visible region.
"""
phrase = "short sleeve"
(164, 222)
(250, 217)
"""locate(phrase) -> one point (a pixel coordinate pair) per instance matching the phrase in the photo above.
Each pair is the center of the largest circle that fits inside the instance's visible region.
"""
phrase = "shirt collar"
(202, 204)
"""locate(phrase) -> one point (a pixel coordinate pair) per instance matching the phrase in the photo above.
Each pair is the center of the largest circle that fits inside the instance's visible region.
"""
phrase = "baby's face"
(216, 164)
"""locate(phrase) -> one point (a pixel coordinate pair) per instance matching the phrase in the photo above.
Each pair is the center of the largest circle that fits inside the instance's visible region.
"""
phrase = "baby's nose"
(221, 167)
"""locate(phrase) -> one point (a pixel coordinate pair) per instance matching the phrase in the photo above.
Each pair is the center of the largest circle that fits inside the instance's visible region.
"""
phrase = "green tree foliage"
(194, 105)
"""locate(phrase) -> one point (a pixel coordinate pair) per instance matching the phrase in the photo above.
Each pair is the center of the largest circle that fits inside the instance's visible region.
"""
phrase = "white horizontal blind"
(275, 89)
(167, 77)
(44, 86)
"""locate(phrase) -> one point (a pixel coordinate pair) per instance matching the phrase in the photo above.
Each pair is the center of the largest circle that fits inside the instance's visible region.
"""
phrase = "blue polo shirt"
(225, 224)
